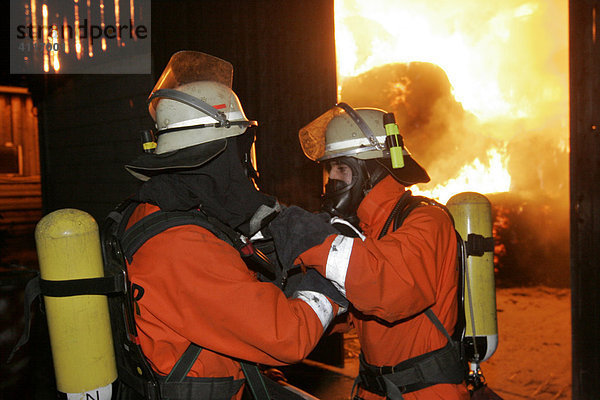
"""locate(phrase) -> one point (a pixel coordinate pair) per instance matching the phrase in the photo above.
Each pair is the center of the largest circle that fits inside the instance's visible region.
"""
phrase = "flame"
(89, 16)
(102, 24)
(506, 60)
(45, 37)
(490, 178)
(77, 31)
(34, 20)
(66, 35)
(54, 49)
(132, 14)
(117, 23)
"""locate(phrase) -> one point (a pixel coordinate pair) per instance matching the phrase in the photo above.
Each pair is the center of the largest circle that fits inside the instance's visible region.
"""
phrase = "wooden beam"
(584, 42)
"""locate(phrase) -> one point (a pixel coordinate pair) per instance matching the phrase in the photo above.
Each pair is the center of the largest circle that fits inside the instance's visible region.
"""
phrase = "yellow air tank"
(68, 247)
(472, 213)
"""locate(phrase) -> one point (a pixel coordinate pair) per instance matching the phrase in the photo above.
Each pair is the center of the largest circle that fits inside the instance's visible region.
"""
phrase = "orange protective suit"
(395, 279)
(198, 289)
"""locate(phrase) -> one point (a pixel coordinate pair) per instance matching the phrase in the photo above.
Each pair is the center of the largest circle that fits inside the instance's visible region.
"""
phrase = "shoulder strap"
(400, 205)
(184, 364)
(151, 225)
(405, 205)
(255, 381)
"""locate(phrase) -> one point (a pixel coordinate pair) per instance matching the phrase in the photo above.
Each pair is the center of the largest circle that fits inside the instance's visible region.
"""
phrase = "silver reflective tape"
(338, 260)
(319, 303)
(357, 144)
(231, 116)
(351, 143)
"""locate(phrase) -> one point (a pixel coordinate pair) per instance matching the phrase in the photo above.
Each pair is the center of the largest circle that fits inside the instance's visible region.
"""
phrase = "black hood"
(219, 187)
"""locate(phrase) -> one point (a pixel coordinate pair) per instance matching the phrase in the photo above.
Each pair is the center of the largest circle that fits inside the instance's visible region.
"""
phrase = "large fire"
(474, 177)
(505, 65)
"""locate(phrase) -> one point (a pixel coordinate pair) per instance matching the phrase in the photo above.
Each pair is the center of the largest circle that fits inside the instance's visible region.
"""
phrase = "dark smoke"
(437, 130)
(531, 221)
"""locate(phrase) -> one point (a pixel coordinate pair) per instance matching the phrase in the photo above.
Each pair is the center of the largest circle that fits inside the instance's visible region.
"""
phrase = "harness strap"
(184, 364)
(255, 381)
(147, 388)
(443, 365)
(89, 286)
(157, 222)
(75, 287)
(192, 388)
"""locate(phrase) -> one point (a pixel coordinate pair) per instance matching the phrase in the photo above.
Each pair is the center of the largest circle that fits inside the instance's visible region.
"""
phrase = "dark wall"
(584, 17)
(88, 130)
(284, 74)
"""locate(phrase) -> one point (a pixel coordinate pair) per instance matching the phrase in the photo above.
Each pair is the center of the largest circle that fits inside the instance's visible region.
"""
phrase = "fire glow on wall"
(480, 89)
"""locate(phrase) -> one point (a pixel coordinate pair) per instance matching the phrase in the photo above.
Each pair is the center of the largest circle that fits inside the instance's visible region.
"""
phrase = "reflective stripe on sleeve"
(319, 303)
(338, 260)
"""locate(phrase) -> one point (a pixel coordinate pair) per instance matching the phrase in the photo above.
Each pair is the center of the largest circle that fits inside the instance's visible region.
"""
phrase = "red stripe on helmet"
(219, 106)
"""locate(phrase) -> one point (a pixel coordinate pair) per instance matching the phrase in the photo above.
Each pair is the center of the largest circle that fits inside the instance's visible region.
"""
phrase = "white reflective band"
(319, 303)
(338, 260)
(356, 144)
(352, 143)
(232, 116)
(101, 393)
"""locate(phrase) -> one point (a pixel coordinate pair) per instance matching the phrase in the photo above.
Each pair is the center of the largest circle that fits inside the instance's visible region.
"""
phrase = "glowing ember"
(34, 20)
(45, 37)
(89, 18)
(77, 32)
(66, 35)
(102, 25)
(117, 23)
(78, 27)
(54, 45)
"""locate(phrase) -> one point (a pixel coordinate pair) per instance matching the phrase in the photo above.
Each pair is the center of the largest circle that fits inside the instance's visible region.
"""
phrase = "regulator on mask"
(341, 198)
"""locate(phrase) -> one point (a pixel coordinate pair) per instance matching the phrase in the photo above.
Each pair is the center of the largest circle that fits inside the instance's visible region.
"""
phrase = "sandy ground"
(533, 359)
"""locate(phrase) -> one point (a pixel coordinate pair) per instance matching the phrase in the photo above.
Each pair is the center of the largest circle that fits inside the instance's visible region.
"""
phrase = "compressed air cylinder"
(472, 215)
(68, 247)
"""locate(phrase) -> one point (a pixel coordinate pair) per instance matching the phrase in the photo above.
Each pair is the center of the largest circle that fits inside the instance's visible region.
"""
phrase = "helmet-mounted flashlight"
(148, 141)
(393, 140)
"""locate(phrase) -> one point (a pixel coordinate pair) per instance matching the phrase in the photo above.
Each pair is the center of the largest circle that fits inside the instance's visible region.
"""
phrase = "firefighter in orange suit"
(395, 279)
(190, 284)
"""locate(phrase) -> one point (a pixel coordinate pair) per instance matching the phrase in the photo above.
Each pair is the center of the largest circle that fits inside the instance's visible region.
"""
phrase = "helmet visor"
(192, 66)
(341, 131)
(312, 136)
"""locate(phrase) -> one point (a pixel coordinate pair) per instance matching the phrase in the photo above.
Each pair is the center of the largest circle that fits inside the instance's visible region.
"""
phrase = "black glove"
(296, 230)
(315, 282)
